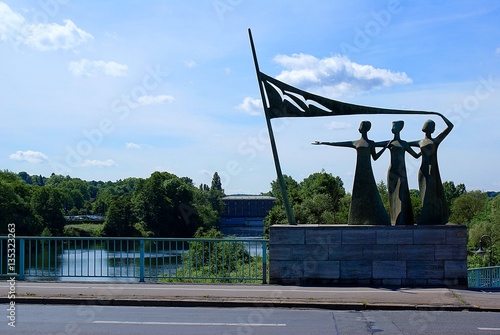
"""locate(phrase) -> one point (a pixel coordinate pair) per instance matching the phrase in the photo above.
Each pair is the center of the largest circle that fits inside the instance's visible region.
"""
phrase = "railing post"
(21, 259)
(141, 261)
(264, 262)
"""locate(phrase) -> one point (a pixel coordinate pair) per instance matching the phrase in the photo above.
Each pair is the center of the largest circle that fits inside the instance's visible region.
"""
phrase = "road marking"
(494, 329)
(192, 323)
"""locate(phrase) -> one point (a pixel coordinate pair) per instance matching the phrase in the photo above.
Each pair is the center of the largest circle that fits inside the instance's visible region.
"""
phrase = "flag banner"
(284, 100)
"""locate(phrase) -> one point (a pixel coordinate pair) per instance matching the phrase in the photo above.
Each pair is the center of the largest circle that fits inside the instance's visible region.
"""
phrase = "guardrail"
(160, 259)
(487, 277)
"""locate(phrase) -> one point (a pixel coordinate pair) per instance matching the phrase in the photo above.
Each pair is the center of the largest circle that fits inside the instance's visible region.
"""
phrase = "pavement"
(236, 295)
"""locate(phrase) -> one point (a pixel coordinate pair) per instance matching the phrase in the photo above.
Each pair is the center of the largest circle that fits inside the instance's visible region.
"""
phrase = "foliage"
(465, 207)
(451, 192)
(161, 205)
(83, 230)
(216, 261)
(487, 222)
(318, 199)
(120, 218)
(47, 203)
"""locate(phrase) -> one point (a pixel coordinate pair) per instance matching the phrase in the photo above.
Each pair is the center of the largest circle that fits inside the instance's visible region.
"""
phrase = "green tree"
(485, 222)
(451, 192)
(164, 205)
(47, 205)
(15, 208)
(120, 218)
(466, 206)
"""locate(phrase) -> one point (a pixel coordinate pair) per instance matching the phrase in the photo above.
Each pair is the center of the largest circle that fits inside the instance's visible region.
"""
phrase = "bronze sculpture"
(400, 207)
(434, 206)
(366, 205)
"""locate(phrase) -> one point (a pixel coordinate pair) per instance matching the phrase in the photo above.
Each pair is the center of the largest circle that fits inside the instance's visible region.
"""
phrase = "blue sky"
(105, 90)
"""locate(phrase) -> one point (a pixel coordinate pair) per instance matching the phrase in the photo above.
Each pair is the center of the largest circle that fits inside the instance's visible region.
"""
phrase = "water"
(118, 260)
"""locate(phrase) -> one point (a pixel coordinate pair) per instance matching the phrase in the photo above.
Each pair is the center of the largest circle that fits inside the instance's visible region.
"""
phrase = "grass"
(84, 230)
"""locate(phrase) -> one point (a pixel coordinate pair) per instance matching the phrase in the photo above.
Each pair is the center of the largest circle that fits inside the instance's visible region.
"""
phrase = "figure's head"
(397, 126)
(365, 126)
(429, 126)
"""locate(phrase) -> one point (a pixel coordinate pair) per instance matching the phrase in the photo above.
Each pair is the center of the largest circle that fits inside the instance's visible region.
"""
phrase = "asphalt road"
(89, 319)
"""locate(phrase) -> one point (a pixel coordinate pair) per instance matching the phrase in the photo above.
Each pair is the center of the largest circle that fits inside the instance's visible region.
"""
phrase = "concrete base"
(406, 256)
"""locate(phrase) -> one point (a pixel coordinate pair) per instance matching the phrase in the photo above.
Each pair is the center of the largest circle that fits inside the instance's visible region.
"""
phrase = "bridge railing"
(487, 277)
(155, 259)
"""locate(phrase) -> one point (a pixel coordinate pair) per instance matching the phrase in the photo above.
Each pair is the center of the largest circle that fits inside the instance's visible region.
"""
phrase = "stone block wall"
(368, 255)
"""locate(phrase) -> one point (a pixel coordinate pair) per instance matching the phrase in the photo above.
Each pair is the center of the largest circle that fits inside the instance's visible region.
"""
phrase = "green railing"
(155, 259)
(487, 277)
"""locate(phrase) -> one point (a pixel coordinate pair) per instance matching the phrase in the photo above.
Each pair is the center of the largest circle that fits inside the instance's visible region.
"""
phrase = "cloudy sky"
(105, 90)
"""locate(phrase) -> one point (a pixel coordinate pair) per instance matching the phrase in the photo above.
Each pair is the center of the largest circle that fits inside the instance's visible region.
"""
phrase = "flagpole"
(281, 180)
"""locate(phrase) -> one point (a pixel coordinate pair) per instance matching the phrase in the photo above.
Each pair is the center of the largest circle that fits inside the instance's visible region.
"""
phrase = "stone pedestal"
(406, 256)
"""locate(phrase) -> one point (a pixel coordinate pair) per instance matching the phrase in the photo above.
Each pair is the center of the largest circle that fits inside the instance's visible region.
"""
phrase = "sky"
(106, 90)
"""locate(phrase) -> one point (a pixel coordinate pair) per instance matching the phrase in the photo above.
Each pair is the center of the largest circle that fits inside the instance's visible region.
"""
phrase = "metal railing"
(155, 259)
(487, 277)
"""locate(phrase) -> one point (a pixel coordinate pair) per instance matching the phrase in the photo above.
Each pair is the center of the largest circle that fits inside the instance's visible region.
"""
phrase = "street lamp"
(480, 251)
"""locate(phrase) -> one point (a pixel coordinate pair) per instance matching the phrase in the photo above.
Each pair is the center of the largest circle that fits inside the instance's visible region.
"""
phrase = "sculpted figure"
(434, 207)
(366, 204)
(401, 211)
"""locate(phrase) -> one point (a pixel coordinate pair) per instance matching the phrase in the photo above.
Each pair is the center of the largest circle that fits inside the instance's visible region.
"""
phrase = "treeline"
(162, 205)
(321, 199)
(165, 205)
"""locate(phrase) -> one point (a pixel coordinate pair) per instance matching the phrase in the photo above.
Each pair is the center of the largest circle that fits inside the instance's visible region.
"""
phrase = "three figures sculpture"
(366, 205)
(281, 100)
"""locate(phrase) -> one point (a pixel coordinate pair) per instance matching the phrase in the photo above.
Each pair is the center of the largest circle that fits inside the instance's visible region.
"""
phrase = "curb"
(220, 303)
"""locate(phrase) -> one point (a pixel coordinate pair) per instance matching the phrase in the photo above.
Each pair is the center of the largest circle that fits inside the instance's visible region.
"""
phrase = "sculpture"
(400, 208)
(434, 207)
(366, 205)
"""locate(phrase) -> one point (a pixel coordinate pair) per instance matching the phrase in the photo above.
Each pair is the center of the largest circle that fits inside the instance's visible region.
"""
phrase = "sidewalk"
(235, 295)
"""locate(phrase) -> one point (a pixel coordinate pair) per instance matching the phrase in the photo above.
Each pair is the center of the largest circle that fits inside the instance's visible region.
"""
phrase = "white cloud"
(94, 162)
(10, 22)
(335, 76)
(88, 68)
(338, 125)
(251, 106)
(29, 156)
(41, 36)
(154, 99)
(131, 145)
(53, 36)
(497, 51)
(191, 64)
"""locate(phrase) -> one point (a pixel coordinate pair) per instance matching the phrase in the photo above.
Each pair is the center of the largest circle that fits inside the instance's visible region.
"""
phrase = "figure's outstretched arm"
(376, 155)
(348, 144)
(382, 143)
(414, 143)
(412, 152)
(445, 132)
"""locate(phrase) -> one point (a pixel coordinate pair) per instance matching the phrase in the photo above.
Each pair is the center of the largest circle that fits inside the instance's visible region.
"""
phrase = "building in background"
(244, 214)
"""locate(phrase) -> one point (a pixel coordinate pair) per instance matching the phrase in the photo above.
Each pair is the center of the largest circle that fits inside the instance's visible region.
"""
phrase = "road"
(89, 319)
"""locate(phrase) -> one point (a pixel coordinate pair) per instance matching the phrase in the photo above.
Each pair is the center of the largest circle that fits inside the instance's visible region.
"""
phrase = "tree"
(47, 205)
(451, 192)
(164, 205)
(216, 183)
(318, 199)
(120, 218)
(466, 206)
(15, 208)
